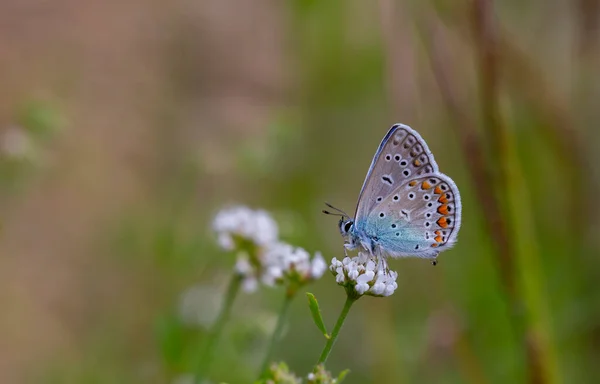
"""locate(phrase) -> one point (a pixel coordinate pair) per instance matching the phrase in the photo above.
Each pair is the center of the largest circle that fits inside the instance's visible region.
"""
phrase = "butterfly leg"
(347, 246)
(434, 261)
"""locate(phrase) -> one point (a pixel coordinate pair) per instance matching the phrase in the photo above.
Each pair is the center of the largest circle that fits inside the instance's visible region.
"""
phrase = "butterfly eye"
(347, 226)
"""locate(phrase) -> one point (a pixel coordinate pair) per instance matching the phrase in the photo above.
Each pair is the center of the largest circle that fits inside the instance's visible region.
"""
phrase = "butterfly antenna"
(332, 213)
(340, 212)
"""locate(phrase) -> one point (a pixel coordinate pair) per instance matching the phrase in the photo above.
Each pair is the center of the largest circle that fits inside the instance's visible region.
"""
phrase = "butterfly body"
(406, 207)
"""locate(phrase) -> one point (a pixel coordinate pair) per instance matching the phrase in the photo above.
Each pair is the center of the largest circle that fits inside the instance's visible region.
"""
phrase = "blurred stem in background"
(350, 299)
(276, 336)
(208, 350)
(513, 192)
(501, 190)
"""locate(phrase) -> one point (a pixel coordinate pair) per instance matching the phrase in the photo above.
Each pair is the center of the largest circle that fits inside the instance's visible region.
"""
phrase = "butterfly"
(406, 206)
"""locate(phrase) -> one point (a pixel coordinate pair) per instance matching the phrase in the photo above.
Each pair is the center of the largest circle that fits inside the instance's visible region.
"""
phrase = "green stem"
(207, 353)
(336, 330)
(277, 333)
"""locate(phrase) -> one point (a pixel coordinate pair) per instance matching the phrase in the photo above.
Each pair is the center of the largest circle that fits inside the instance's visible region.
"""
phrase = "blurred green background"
(125, 125)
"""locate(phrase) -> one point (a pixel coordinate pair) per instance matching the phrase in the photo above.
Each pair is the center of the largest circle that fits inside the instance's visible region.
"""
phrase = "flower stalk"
(207, 352)
(350, 299)
(276, 336)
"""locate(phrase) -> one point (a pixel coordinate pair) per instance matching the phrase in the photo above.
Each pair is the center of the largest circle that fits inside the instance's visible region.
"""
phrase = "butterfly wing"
(402, 155)
(421, 217)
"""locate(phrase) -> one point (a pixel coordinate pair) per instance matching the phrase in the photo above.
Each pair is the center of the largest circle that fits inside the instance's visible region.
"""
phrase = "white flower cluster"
(282, 260)
(269, 261)
(364, 275)
(256, 226)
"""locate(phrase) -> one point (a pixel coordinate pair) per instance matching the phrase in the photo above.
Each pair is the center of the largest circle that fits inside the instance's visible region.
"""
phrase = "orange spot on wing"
(437, 190)
(443, 199)
(425, 185)
(416, 163)
(438, 239)
(434, 245)
(412, 183)
(442, 222)
(438, 232)
(443, 209)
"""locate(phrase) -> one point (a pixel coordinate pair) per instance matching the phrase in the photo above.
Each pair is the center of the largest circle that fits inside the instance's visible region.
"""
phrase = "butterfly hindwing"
(420, 217)
(402, 155)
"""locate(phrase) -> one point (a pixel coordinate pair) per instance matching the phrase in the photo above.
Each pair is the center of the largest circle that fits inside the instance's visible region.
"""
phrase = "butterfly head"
(346, 225)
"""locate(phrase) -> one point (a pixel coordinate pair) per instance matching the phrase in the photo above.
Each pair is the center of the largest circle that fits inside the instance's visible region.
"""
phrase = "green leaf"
(316, 313)
(342, 376)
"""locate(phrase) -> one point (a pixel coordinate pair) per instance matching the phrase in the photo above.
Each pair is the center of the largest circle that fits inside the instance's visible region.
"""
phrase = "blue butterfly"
(406, 206)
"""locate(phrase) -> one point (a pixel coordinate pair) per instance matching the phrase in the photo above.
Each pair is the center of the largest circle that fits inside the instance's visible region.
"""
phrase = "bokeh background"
(125, 125)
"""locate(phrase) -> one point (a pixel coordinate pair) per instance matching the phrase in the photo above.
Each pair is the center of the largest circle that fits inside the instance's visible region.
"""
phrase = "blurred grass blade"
(342, 376)
(316, 313)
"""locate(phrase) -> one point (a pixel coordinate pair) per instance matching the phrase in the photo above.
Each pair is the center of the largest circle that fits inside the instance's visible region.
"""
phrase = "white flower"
(318, 266)
(282, 260)
(249, 284)
(244, 268)
(365, 275)
(15, 143)
(265, 259)
(256, 226)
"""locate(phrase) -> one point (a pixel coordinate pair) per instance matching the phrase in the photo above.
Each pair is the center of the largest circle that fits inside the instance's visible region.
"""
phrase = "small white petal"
(243, 266)
(378, 288)
(346, 260)
(225, 241)
(361, 288)
(249, 284)
(340, 278)
(389, 290)
(370, 265)
(365, 277)
(318, 266)
(353, 275)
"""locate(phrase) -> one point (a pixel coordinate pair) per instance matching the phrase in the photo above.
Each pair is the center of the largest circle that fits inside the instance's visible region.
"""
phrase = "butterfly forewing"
(421, 217)
(402, 155)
